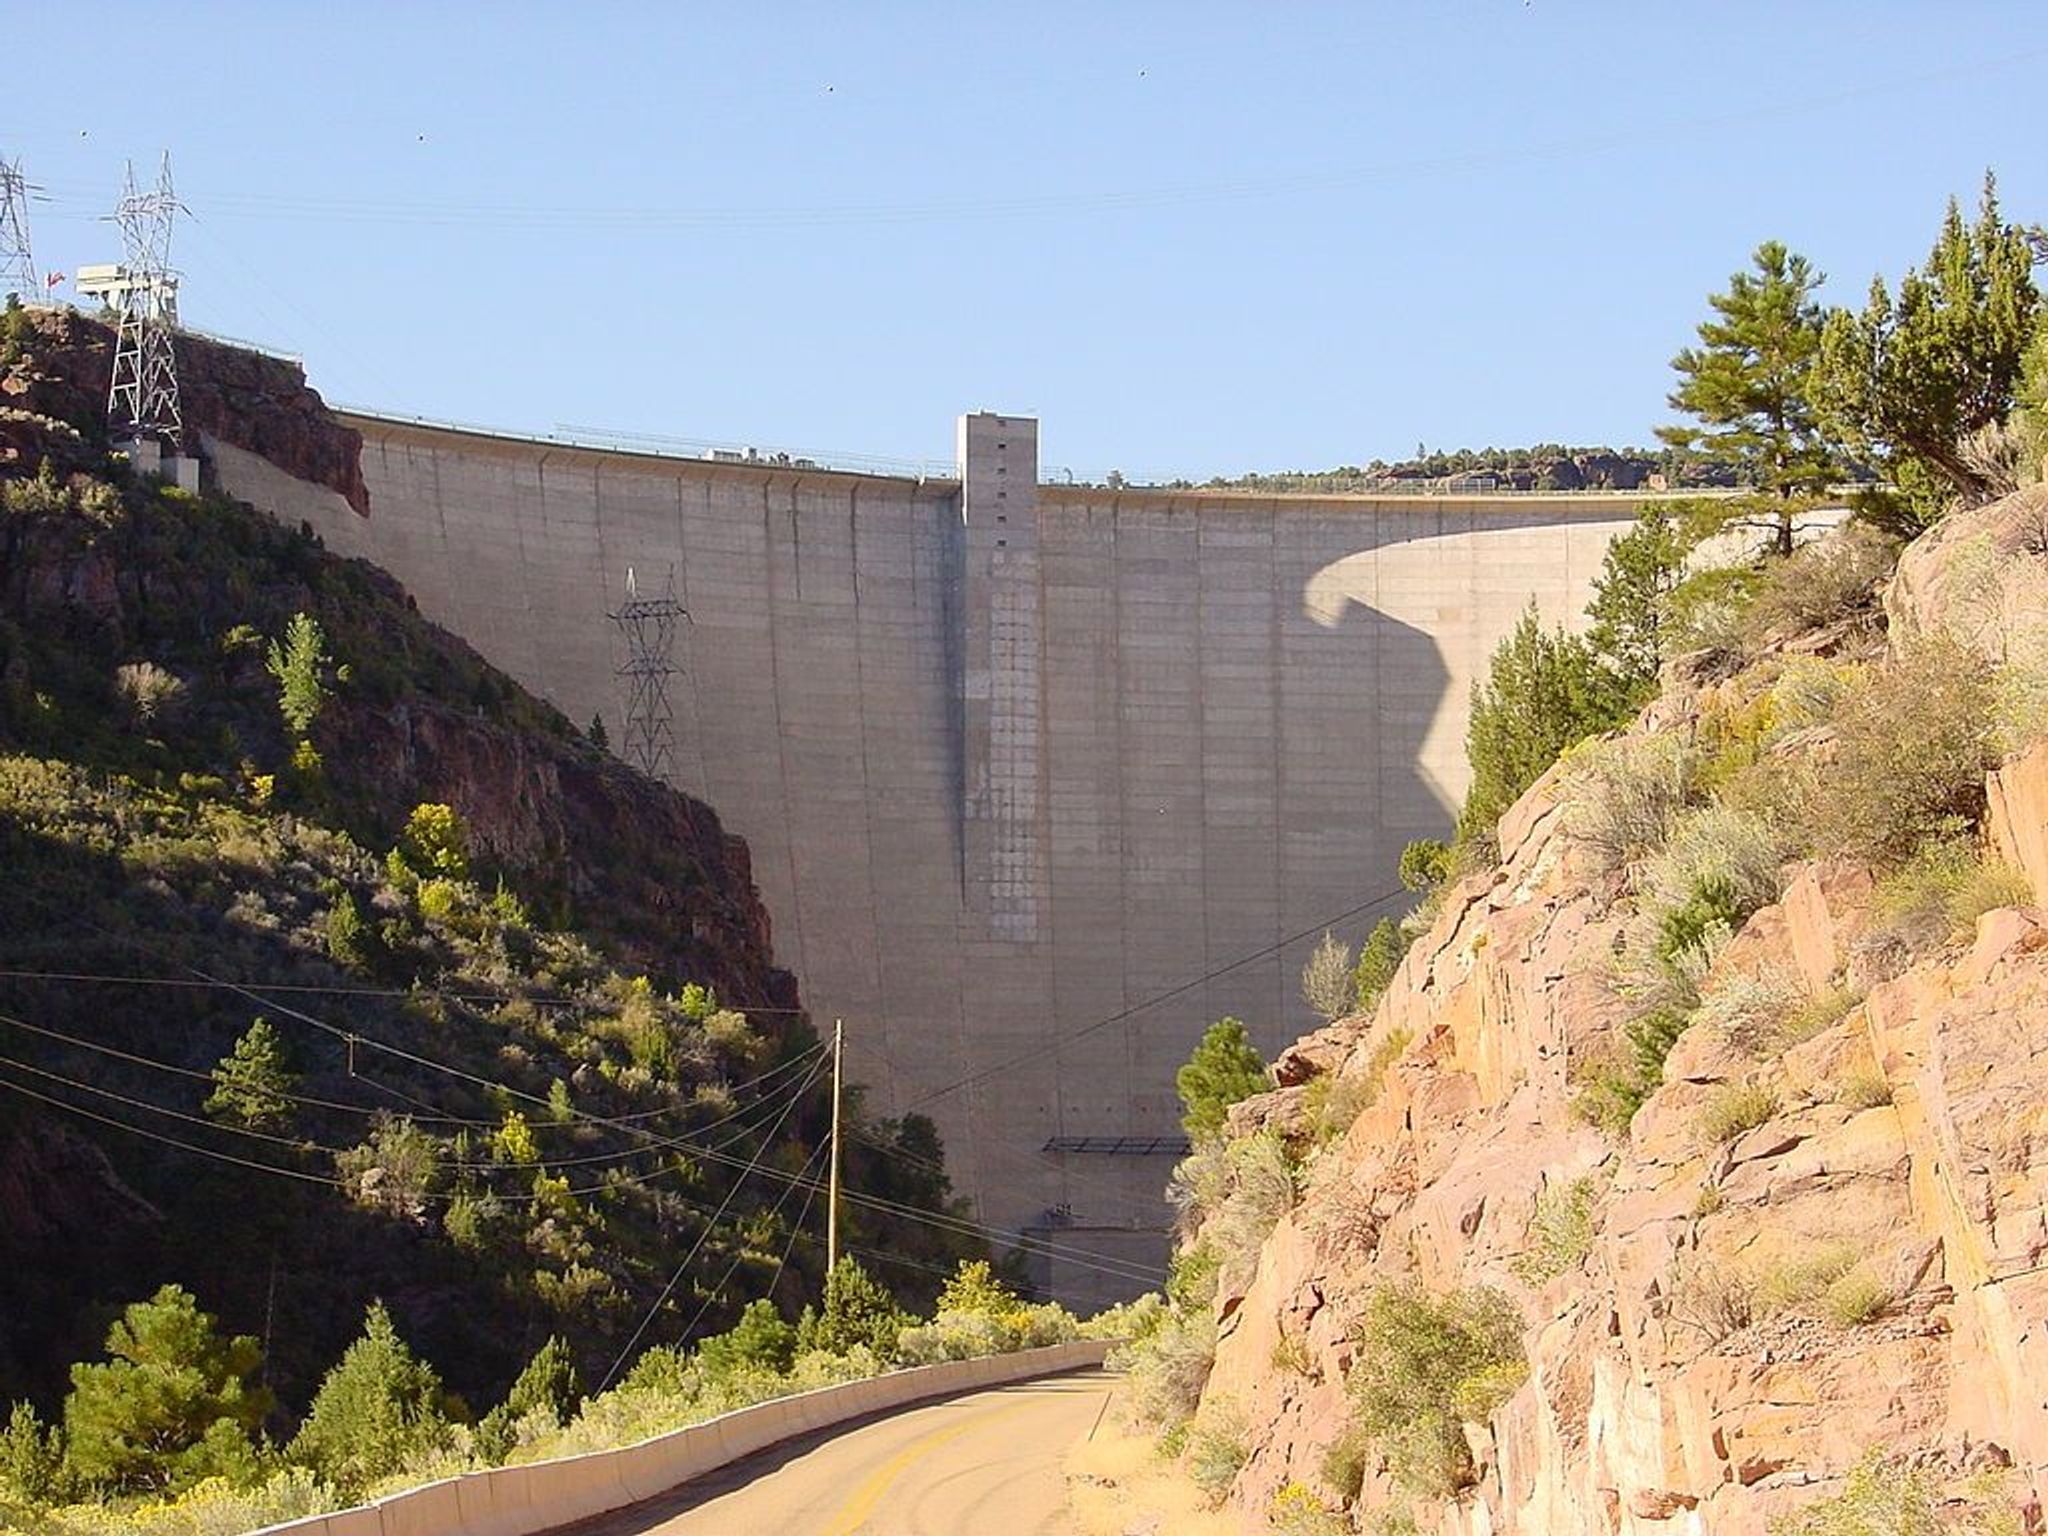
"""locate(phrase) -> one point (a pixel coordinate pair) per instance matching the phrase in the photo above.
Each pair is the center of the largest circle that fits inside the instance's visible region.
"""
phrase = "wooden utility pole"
(832, 1190)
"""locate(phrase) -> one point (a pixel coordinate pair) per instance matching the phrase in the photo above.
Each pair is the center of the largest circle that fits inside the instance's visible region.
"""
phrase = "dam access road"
(985, 1462)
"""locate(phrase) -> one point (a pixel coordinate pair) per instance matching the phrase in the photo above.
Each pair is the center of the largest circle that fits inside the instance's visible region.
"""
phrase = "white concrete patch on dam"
(1012, 759)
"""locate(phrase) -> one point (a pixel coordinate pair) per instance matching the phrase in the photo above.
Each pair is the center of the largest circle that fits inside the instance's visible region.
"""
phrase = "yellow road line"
(854, 1512)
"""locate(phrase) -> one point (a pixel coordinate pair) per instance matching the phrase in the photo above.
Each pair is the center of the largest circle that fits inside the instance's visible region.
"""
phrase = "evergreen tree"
(1224, 1068)
(598, 737)
(856, 1310)
(31, 1459)
(1747, 385)
(1640, 571)
(1543, 692)
(549, 1386)
(1910, 377)
(761, 1340)
(252, 1084)
(299, 663)
(174, 1404)
(1378, 959)
(379, 1407)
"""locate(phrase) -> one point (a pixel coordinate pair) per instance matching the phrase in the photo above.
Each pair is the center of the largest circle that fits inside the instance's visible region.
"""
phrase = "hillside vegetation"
(339, 975)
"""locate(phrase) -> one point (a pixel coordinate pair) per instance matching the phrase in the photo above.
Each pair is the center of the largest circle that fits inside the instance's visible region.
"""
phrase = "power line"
(328, 989)
(1161, 997)
(433, 1116)
(667, 1290)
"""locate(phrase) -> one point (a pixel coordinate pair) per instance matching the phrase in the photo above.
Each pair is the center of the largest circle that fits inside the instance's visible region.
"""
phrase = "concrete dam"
(1039, 780)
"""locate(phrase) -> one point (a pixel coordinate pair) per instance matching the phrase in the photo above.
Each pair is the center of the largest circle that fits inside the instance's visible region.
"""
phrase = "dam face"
(1039, 781)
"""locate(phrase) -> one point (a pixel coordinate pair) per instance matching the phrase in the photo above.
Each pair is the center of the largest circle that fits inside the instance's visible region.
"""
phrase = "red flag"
(53, 279)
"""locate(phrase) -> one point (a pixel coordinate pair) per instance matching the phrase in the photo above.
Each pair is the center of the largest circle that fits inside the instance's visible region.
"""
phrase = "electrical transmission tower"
(649, 625)
(18, 273)
(143, 402)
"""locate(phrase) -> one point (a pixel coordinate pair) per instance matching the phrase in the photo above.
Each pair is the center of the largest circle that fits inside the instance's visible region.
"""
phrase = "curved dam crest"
(1013, 760)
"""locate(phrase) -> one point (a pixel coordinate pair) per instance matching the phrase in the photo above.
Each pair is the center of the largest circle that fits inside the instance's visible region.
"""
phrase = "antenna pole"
(832, 1192)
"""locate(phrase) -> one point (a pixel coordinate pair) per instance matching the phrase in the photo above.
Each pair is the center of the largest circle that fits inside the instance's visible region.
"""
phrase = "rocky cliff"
(1820, 1243)
(60, 365)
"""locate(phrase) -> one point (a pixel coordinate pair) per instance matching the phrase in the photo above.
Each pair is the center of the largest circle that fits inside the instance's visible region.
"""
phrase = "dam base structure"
(1039, 780)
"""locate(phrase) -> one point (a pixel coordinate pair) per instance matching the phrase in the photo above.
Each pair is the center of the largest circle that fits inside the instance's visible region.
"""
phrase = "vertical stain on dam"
(1014, 760)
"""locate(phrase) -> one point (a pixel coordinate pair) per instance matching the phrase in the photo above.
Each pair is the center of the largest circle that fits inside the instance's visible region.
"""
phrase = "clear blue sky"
(1193, 238)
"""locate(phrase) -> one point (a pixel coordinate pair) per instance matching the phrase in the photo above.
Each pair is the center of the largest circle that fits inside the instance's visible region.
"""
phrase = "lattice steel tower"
(18, 273)
(649, 625)
(143, 401)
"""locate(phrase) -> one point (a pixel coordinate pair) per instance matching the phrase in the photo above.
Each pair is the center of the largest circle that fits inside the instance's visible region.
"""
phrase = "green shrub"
(1379, 958)
(379, 1408)
(1817, 1012)
(31, 1459)
(1425, 863)
(856, 1311)
(1831, 579)
(1216, 1451)
(1544, 691)
(299, 662)
(1718, 855)
(1799, 1284)
(1191, 1277)
(1296, 1511)
(1560, 1231)
(435, 842)
(1626, 795)
(1261, 1191)
(1223, 1069)
(544, 1395)
(1168, 1371)
(1887, 1498)
(1866, 1088)
(1912, 745)
(1290, 1354)
(1856, 1298)
(1708, 611)
(1615, 1088)
(176, 1404)
(1733, 1109)
(1936, 896)
(761, 1340)
(1752, 1009)
(1426, 1364)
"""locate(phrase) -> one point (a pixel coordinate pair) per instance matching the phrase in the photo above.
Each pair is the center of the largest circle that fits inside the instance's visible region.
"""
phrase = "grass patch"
(1560, 1231)
(1734, 1109)
(1427, 1365)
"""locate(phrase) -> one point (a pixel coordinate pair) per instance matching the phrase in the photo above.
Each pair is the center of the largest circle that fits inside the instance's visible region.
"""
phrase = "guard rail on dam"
(1039, 780)
(543, 1495)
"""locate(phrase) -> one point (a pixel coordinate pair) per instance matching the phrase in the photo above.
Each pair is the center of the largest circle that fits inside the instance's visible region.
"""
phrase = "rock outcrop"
(251, 400)
(1903, 1141)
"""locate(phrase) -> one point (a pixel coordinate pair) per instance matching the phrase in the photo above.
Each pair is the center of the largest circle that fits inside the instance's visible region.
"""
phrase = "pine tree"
(1640, 571)
(1748, 385)
(253, 1083)
(173, 1406)
(550, 1387)
(1910, 377)
(598, 737)
(760, 1341)
(377, 1408)
(1543, 692)
(1224, 1068)
(856, 1311)
(31, 1459)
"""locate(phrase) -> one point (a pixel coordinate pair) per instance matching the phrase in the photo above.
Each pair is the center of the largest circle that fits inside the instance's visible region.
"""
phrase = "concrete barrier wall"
(525, 1500)
(1011, 759)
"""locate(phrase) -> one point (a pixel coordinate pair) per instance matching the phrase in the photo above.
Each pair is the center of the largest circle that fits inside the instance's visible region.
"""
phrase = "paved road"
(985, 1463)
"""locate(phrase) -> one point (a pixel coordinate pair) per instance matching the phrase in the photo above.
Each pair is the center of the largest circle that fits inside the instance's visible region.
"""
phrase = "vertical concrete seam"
(796, 895)
(867, 793)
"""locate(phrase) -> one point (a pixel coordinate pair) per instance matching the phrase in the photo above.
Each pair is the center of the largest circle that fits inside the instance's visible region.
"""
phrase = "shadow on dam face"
(1012, 761)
